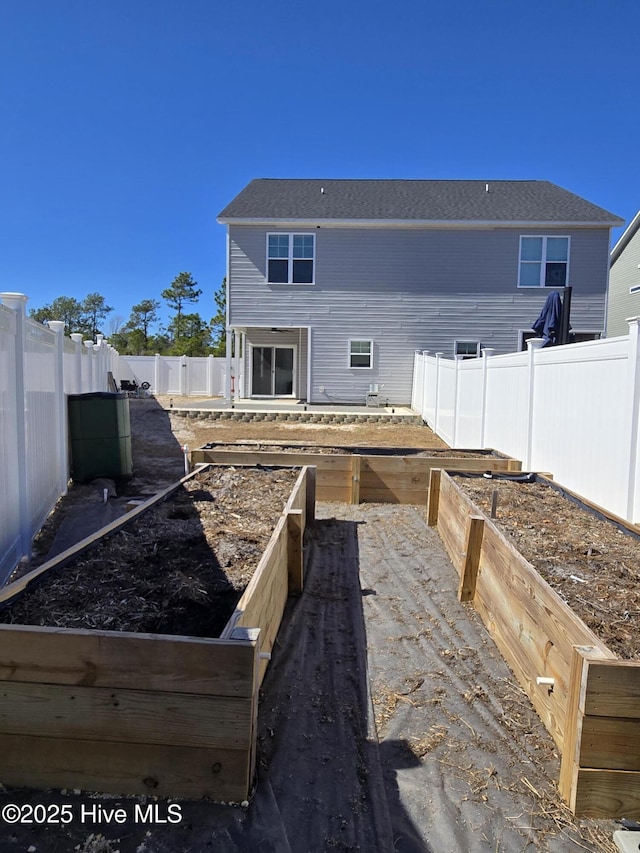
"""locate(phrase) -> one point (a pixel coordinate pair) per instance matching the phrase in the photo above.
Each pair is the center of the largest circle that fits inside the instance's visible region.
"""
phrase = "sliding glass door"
(272, 371)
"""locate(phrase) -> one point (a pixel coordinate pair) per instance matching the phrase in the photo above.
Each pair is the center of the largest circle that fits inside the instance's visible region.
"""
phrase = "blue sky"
(127, 125)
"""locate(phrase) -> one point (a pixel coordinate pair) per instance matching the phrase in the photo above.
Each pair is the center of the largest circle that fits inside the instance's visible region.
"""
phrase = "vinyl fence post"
(183, 376)
(57, 326)
(228, 368)
(156, 376)
(17, 302)
(437, 392)
(76, 337)
(424, 390)
(532, 345)
(236, 365)
(210, 375)
(88, 347)
(101, 364)
(97, 367)
(415, 381)
(633, 398)
(487, 352)
(456, 378)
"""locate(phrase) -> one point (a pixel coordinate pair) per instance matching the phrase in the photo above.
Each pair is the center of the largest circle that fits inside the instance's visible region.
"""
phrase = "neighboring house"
(333, 284)
(624, 280)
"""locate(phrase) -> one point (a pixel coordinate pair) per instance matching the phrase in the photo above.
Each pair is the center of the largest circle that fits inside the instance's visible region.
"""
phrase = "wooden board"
(126, 660)
(613, 689)
(471, 562)
(453, 509)
(299, 498)
(263, 602)
(125, 716)
(531, 625)
(133, 713)
(161, 771)
(611, 743)
(433, 500)
(398, 479)
(608, 794)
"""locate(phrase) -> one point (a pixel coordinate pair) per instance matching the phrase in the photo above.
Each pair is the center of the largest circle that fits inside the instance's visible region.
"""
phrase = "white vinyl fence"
(181, 375)
(39, 366)
(571, 410)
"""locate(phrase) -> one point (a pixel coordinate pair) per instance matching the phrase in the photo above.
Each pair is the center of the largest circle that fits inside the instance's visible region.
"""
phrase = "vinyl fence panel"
(579, 431)
(507, 404)
(573, 411)
(10, 527)
(39, 367)
(470, 402)
(42, 427)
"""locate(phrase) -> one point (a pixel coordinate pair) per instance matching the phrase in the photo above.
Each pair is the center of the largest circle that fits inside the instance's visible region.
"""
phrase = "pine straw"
(591, 564)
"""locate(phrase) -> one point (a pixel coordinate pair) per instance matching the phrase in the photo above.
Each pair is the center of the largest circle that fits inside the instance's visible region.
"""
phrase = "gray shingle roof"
(397, 200)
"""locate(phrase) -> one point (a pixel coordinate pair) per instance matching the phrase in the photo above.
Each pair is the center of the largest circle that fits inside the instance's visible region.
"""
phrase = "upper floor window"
(544, 261)
(290, 258)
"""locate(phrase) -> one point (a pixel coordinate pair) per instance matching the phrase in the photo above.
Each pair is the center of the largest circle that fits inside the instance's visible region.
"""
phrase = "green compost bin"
(100, 436)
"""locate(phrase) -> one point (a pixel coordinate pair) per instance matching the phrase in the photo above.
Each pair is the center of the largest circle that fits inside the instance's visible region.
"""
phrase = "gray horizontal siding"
(624, 274)
(405, 290)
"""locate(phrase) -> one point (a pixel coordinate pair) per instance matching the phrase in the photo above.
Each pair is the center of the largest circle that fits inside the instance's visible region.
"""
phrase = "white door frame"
(294, 371)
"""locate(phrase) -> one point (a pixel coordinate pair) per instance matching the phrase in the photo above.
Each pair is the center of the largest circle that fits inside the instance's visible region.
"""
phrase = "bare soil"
(196, 433)
(179, 568)
(589, 562)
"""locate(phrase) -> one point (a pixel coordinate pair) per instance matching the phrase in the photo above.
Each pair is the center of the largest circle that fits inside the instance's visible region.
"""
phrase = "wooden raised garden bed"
(356, 475)
(146, 713)
(587, 697)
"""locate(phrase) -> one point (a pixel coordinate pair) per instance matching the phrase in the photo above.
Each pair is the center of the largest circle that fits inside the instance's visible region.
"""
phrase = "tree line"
(187, 333)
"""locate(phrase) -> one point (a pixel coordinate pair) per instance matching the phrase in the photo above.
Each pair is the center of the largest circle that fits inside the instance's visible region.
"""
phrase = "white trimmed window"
(544, 262)
(361, 354)
(290, 258)
(467, 349)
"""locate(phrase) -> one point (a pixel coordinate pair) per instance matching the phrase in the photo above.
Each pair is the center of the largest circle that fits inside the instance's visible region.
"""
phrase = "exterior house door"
(272, 371)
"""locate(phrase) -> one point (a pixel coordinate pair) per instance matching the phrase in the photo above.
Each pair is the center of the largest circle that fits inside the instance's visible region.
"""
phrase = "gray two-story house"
(332, 285)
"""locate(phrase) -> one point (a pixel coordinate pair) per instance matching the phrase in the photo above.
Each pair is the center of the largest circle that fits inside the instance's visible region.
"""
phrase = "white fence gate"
(180, 375)
(38, 368)
(571, 410)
